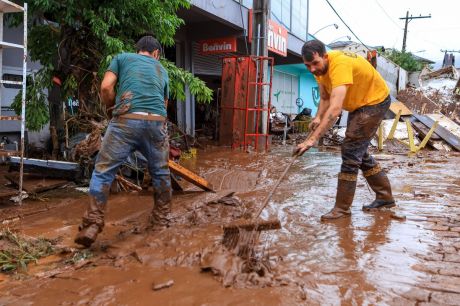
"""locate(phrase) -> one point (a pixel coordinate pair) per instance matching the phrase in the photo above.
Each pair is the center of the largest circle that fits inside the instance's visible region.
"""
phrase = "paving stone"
(445, 250)
(452, 257)
(437, 219)
(445, 298)
(448, 234)
(451, 272)
(450, 250)
(441, 287)
(438, 228)
(432, 257)
(452, 280)
(400, 301)
(416, 294)
(426, 268)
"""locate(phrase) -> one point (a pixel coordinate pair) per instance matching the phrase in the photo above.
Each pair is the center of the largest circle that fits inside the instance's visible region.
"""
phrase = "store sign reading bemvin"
(218, 45)
(277, 38)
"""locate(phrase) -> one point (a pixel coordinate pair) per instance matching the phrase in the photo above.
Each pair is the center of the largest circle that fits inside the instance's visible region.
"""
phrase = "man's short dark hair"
(311, 47)
(148, 43)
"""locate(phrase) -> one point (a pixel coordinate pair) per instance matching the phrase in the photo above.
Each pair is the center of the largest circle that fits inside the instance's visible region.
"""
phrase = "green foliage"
(75, 40)
(404, 59)
(178, 77)
(37, 113)
(18, 251)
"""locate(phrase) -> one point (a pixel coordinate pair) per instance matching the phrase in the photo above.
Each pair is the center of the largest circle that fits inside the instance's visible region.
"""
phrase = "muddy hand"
(314, 124)
(303, 147)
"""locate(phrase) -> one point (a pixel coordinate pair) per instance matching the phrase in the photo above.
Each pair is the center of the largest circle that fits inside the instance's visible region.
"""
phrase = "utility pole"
(407, 20)
(261, 10)
(259, 47)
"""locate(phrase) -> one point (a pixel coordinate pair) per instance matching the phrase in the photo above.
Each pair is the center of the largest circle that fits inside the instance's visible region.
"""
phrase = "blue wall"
(308, 88)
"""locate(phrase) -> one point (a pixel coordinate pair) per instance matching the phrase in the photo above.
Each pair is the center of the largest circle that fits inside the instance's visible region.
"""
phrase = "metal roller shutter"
(210, 64)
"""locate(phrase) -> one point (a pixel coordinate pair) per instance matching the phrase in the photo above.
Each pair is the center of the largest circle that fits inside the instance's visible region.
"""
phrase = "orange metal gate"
(244, 115)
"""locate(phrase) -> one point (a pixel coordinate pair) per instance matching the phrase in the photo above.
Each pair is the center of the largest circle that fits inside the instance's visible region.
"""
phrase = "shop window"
(299, 18)
(281, 12)
(14, 78)
(285, 91)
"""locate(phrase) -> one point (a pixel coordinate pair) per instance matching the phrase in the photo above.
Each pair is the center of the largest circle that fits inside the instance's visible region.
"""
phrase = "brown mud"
(370, 258)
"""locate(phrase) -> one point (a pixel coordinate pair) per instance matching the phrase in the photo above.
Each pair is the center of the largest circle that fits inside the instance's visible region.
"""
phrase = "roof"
(340, 44)
(422, 59)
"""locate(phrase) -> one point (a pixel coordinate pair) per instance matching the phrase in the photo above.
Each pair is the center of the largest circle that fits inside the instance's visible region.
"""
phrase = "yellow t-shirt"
(366, 85)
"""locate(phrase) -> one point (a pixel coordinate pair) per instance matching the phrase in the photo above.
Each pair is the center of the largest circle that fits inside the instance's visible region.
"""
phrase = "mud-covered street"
(407, 255)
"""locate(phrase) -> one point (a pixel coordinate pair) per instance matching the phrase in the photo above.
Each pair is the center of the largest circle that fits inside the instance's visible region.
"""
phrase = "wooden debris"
(444, 133)
(189, 176)
(162, 285)
(127, 185)
(397, 106)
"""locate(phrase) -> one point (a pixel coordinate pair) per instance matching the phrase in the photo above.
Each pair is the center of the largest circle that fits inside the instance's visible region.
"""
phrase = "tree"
(75, 40)
(404, 59)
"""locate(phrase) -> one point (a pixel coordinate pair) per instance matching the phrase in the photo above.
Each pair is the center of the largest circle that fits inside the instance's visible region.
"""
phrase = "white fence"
(395, 76)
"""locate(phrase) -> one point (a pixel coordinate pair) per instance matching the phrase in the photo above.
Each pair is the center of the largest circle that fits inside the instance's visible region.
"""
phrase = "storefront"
(213, 32)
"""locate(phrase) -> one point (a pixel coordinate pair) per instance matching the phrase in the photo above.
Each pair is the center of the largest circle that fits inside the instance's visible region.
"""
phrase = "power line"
(346, 25)
(388, 16)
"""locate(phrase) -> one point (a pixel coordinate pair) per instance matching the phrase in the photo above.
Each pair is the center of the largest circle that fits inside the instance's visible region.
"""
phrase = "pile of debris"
(435, 105)
(438, 93)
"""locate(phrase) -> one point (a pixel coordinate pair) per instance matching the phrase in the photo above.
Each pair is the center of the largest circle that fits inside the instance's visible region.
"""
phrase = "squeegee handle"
(269, 196)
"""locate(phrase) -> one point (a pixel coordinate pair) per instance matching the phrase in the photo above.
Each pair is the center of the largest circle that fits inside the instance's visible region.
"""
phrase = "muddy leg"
(362, 126)
(118, 143)
(157, 151)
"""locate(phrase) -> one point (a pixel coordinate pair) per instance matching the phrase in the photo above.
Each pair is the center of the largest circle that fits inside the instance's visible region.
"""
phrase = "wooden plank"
(445, 134)
(423, 130)
(397, 106)
(447, 123)
(190, 176)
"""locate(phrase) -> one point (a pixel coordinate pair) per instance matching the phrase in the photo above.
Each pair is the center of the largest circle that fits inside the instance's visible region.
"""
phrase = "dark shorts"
(361, 128)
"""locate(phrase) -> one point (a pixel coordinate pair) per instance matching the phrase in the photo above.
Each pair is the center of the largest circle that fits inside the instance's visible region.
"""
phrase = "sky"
(377, 23)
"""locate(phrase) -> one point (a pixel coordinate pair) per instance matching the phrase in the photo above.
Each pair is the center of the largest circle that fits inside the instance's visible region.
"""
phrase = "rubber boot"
(159, 218)
(92, 223)
(379, 183)
(346, 187)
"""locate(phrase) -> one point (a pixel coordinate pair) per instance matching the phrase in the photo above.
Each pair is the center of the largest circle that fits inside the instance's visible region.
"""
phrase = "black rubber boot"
(92, 223)
(379, 183)
(159, 218)
(346, 187)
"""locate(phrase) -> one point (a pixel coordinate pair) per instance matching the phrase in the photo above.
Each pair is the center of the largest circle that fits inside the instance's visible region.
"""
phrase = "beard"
(322, 71)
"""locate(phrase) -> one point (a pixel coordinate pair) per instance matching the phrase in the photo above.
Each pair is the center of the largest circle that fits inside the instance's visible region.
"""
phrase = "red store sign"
(277, 38)
(218, 45)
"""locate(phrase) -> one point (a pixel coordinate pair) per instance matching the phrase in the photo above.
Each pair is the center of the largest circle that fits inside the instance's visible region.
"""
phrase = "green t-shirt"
(142, 84)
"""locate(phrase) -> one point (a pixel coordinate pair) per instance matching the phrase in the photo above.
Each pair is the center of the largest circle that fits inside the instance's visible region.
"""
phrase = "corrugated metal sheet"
(210, 64)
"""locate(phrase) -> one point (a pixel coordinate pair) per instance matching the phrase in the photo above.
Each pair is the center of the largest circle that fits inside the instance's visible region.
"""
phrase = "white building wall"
(12, 64)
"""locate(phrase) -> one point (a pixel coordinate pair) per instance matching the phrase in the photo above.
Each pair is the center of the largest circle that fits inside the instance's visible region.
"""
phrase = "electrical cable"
(347, 25)
(244, 29)
(389, 17)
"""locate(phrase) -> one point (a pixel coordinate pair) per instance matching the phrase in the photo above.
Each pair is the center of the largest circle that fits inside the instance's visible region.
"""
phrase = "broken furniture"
(410, 144)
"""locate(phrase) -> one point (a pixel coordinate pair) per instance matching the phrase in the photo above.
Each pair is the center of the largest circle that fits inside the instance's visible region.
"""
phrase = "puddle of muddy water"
(365, 259)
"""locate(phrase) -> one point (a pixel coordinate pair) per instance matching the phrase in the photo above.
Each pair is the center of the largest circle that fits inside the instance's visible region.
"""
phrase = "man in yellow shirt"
(348, 81)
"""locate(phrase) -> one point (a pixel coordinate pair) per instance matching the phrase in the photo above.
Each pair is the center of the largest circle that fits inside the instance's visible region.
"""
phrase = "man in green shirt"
(135, 88)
